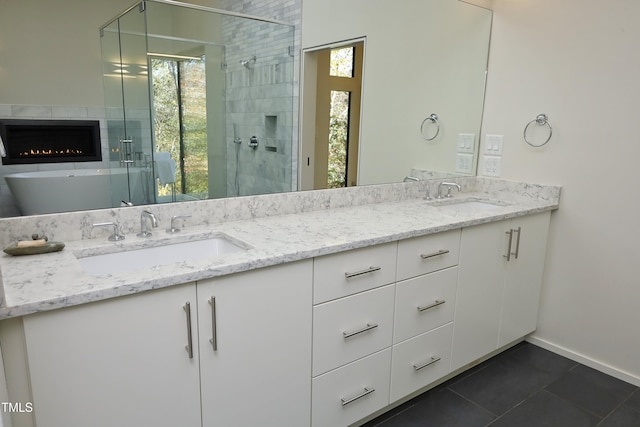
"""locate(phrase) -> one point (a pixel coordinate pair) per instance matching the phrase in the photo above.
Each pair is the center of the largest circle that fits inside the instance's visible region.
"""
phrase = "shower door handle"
(125, 150)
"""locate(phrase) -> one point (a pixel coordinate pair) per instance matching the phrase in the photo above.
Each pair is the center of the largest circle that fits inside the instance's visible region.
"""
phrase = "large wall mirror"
(423, 84)
(407, 63)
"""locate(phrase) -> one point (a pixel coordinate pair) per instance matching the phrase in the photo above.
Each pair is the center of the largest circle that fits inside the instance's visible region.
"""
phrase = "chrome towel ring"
(433, 118)
(541, 120)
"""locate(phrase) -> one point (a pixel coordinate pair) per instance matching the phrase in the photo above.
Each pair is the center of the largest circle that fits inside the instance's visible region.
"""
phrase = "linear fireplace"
(50, 141)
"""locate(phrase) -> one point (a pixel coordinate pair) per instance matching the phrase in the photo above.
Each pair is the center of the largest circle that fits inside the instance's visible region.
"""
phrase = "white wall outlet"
(493, 145)
(464, 163)
(491, 165)
(466, 143)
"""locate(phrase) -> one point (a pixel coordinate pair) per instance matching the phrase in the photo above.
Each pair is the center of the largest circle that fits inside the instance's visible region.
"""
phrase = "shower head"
(248, 63)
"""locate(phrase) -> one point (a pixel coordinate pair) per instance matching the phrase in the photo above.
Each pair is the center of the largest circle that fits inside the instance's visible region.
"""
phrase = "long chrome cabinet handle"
(431, 361)
(369, 327)
(214, 325)
(440, 252)
(189, 346)
(508, 255)
(432, 305)
(517, 252)
(360, 273)
(367, 391)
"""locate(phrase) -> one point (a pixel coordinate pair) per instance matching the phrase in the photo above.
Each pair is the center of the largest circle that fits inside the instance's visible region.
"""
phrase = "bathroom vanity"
(329, 313)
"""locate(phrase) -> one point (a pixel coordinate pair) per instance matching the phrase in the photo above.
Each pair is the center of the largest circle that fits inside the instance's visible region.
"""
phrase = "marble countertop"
(44, 282)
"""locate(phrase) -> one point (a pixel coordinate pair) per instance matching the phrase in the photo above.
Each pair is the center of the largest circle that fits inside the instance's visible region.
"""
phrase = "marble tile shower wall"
(262, 100)
(48, 112)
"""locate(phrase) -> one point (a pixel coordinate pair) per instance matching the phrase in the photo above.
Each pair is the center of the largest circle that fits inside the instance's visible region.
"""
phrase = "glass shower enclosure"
(199, 103)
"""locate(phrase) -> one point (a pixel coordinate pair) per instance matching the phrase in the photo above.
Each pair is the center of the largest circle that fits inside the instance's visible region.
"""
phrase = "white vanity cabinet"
(352, 334)
(499, 281)
(256, 370)
(324, 342)
(126, 361)
(381, 337)
(425, 303)
(118, 362)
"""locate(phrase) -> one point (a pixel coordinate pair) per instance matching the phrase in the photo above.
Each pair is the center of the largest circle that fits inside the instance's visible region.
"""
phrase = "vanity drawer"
(350, 393)
(347, 273)
(424, 302)
(426, 254)
(352, 327)
(420, 361)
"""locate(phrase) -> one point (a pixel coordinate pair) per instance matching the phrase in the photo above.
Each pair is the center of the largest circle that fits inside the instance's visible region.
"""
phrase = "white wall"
(409, 73)
(50, 50)
(578, 61)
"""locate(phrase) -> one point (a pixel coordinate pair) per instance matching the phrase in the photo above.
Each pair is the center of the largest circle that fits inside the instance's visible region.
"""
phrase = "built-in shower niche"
(271, 133)
(50, 141)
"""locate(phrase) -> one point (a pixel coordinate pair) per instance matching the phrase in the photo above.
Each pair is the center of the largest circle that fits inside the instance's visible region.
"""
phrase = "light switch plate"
(466, 143)
(493, 145)
(464, 163)
(491, 165)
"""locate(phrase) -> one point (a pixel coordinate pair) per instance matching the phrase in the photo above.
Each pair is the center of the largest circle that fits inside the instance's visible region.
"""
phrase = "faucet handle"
(173, 228)
(449, 186)
(144, 232)
(116, 236)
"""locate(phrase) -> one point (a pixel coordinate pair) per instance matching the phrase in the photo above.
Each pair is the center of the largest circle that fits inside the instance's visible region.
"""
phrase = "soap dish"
(14, 249)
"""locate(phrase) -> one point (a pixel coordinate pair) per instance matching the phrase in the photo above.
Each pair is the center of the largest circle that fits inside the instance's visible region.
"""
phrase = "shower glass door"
(182, 84)
(188, 80)
(128, 115)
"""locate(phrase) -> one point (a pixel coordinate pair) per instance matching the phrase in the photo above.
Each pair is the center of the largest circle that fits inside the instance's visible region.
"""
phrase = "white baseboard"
(587, 361)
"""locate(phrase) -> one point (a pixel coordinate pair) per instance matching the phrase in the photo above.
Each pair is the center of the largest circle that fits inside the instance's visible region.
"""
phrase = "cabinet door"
(354, 271)
(479, 293)
(523, 278)
(420, 361)
(351, 392)
(259, 371)
(119, 362)
(352, 327)
(424, 302)
(426, 254)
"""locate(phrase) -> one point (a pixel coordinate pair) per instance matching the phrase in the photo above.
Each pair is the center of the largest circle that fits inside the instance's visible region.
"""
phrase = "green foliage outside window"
(341, 65)
(338, 137)
(167, 101)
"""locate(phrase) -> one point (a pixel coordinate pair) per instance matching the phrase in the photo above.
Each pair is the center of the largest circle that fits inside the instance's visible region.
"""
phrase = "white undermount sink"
(162, 254)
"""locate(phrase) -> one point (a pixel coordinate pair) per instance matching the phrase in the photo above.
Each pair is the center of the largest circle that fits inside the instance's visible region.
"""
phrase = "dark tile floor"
(525, 386)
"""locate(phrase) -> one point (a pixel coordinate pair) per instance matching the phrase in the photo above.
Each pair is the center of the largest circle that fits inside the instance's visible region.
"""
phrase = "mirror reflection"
(201, 103)
(421, 60)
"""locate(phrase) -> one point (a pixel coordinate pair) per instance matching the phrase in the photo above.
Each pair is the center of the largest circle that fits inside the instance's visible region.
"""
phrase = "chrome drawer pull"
(508, 255)
(214, 325)
(189, 346)
(369, 327)
(440, 252)
(432, 305)
(360, 273)
(366, 392)
(427, 363)
(517, 252)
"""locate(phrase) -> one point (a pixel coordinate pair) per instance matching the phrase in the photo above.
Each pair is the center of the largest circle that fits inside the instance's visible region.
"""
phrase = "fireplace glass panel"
(50, 141)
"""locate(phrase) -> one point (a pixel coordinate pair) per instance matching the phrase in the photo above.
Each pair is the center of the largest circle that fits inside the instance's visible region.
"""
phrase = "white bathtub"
(70, 190)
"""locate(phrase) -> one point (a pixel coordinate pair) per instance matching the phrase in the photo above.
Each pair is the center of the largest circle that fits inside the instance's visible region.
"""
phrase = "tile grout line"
(620, 406)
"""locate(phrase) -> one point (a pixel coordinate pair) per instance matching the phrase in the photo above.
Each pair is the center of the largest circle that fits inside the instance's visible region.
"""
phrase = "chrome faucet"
(173, 228)
(449, 186)
(146, 215)
(116, 236)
